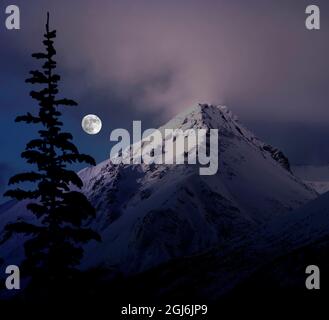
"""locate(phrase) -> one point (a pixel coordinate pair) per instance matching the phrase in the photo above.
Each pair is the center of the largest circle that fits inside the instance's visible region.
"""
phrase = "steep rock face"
(278, 156)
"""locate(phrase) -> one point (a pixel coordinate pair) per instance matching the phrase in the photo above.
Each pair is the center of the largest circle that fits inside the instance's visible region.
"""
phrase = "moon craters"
(91, 124)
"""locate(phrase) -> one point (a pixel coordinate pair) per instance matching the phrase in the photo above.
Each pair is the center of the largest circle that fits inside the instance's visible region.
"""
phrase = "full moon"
(91, 124)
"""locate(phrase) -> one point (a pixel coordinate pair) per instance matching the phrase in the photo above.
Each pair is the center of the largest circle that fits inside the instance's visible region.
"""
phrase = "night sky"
(148, 59)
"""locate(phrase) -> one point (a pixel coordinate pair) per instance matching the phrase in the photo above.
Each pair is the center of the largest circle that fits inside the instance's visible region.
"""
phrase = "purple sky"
(255, 56)
(149, 59)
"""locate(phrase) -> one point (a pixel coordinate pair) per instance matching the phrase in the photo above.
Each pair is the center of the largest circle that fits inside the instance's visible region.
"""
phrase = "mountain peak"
(208, 116)
(202, 112)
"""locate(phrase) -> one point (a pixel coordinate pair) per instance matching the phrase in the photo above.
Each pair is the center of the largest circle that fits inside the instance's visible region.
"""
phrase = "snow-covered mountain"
(150, 214)
(268, 262)
(317, 177)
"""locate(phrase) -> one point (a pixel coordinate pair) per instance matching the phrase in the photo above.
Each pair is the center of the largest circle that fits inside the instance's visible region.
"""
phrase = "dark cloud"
(255, 55)
(147, 60)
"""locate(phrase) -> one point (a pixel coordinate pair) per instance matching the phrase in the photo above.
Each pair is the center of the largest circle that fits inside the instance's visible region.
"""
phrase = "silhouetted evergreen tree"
(54, 244)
